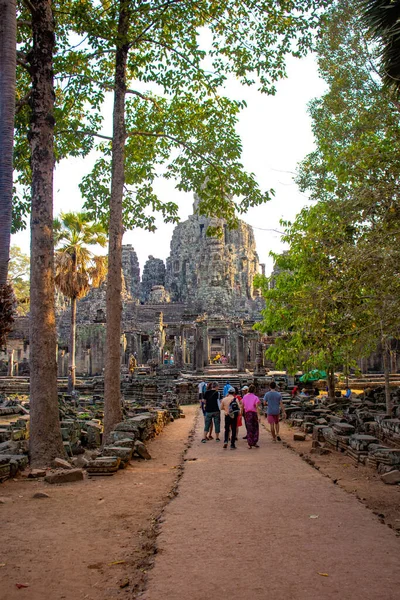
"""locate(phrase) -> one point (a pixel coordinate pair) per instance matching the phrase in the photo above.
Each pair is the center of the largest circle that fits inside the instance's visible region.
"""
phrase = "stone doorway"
(218, 348)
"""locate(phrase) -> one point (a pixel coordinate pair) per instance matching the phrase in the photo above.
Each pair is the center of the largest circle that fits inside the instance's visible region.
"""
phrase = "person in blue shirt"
(273, 399)
(348, 394)
(226, 388)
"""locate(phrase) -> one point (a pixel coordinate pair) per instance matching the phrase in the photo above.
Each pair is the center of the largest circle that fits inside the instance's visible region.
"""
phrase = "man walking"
(273, 399)
(212, 413)
(230, 407)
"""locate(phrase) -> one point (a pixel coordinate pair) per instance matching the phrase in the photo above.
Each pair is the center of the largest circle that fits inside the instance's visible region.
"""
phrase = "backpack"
(204, 388)
(234, 409)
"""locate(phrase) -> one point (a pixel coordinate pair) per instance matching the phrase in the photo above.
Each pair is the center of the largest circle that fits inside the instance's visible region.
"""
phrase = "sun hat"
(245, 387)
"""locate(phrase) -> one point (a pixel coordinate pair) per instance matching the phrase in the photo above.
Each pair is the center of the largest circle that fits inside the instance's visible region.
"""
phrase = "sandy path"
(62, 547)
(241, 528)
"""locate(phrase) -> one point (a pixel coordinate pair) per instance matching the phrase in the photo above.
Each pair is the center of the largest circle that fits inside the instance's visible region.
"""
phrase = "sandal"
(210, 437)
(204, 441)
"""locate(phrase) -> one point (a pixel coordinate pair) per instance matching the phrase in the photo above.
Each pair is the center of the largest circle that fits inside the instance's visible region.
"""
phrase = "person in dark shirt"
(212, 412)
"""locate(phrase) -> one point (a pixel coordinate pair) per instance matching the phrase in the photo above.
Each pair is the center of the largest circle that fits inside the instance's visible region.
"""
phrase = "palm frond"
(382, 20)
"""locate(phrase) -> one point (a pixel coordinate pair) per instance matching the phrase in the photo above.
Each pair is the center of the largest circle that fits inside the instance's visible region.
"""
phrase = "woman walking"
(251, 405)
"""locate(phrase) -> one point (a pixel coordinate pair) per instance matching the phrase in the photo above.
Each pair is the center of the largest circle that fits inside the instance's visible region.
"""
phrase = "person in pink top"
(251, 406)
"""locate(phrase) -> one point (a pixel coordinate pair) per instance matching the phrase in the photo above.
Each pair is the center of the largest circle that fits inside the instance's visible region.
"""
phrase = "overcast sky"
(276, 134)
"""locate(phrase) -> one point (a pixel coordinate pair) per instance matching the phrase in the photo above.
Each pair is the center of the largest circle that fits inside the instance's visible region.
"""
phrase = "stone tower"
(153, 275)
(131, 271)
(214, 275)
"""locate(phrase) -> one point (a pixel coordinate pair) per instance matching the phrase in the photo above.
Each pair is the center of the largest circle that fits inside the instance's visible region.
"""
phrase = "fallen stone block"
(60, 463)
(66, 476)
(40, 495)
(35, 473)
(124, 442)
(80, 461)
(142, 451)
(103, 465)
(391, 478)
(299, 437)
(125, 454)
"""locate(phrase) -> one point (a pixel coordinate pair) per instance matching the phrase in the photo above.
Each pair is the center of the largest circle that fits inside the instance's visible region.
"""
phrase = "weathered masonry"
(198, 305)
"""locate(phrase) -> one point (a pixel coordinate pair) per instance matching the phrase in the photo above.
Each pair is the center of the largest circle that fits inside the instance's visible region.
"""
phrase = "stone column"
(240, 353)
(138, 349)
(184, 347)
(206, 353)
(11, 363)
(259, 359)
(199, 350)
(178, 354)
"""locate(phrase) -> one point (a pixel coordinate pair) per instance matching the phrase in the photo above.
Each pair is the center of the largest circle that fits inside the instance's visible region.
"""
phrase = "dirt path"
(63, 547)
(262, 524)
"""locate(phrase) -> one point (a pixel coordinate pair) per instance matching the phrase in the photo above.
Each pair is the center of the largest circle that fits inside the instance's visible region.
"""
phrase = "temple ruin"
(199, 304)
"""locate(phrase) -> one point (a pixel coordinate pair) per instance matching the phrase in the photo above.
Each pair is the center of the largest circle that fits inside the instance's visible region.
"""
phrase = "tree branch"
(23, 102)
(144, 97)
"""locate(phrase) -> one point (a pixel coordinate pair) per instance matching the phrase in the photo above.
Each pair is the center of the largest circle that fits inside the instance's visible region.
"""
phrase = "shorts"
(273, 418)
(209, 418)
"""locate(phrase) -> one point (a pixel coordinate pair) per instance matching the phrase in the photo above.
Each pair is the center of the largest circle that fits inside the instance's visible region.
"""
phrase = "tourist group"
(237, 407)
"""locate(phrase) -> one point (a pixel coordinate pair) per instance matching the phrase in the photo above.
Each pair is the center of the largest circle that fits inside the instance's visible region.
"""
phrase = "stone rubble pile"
(358, 427)
(82, 434)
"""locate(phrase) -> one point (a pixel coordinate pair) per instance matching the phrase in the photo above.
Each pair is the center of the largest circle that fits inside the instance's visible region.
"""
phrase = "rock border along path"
(262, 524)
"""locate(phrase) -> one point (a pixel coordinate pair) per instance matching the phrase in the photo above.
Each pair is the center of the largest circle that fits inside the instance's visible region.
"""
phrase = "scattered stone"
(299, 437)
(35, 473)
(142, 451)
(60, 463)
(40, 495)
(80, 461)
(125, 454)
(103, 465)
(5, 499)
(391, 478)
(66, 476)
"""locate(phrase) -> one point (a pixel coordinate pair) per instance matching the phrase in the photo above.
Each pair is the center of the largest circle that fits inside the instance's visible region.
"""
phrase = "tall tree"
(45, 434)
(7, 109)
(77, 269)
(8, 40)
(313, 305)
(188, 127)
(356, 166)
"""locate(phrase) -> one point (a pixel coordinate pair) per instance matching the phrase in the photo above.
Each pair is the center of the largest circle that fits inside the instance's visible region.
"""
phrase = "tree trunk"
(112, 385)
(45, 434)
(8, 33)
(331, 382)
(386, 368)
(72, 348)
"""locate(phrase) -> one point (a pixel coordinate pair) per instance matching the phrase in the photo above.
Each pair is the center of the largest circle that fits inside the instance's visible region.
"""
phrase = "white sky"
(276, 135)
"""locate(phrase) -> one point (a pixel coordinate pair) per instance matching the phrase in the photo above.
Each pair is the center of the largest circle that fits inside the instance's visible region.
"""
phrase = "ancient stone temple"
(213, 274)
(198, 305)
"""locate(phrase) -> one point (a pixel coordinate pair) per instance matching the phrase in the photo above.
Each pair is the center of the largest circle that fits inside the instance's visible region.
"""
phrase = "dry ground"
(364, 483)
(88, 538)
(262, 524)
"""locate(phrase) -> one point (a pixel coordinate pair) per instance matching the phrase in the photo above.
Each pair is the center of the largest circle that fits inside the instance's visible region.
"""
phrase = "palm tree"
(77, 269)
(382, 19)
